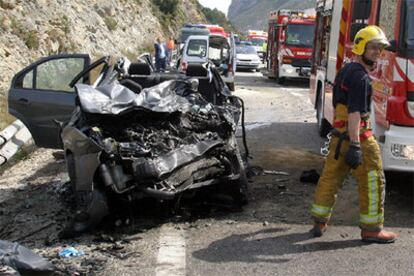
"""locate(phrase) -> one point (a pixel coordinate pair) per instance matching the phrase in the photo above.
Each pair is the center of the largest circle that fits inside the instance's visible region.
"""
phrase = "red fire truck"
(392, 111)
(289, 49)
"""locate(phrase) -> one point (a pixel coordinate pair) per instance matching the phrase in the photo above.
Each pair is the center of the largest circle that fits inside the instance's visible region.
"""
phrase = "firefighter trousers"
(371, 184)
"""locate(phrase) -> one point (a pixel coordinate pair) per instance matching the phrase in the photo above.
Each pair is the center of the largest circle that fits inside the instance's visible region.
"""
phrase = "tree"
(167, 6)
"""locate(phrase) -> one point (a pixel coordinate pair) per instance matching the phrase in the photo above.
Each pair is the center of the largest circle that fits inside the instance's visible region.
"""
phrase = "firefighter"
(353, 148)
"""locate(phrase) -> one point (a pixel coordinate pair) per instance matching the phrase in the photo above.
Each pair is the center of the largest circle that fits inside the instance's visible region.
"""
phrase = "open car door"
(232, 61)
(40, 95)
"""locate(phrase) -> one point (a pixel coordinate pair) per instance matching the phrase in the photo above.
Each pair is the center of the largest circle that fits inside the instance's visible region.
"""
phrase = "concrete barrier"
(12, 138)
(7, 133)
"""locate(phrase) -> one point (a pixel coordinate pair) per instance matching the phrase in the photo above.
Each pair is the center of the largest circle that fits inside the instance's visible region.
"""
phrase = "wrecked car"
(128, 132)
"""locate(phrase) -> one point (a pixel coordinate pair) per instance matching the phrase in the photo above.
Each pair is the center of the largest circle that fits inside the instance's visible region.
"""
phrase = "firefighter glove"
(353, 156)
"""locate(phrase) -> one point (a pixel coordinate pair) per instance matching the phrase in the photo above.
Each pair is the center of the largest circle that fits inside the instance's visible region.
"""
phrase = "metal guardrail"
(12, 138)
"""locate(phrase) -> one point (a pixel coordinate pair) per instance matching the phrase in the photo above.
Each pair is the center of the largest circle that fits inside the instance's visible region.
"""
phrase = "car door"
(232, 60)
(40, 95)
(196, 49)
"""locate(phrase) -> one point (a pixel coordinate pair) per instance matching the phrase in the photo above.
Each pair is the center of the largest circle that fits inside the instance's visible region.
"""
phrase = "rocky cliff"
(30, 29)
(253, 14)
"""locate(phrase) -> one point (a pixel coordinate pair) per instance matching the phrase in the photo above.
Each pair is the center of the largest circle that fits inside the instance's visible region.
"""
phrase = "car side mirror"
(392, 47)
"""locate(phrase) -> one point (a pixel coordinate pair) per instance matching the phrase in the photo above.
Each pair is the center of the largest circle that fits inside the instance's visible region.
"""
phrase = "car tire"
(88, 217)
(281, 80)
(396, 180)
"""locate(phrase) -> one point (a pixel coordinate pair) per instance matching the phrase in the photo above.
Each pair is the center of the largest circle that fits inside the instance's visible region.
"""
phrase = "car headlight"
(288, 70)
(402, 151)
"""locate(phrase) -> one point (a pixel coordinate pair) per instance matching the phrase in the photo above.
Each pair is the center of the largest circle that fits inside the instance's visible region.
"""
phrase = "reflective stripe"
(321, 211)
(372, 193)
(367, 219)
(410, 73)
(397, 76)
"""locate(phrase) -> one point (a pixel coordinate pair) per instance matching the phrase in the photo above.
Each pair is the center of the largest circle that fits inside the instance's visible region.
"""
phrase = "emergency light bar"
(291, 14)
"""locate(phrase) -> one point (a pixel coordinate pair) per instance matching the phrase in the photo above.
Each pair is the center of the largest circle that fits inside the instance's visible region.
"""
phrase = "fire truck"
(258, 39)
(392, 110)
(291, 35)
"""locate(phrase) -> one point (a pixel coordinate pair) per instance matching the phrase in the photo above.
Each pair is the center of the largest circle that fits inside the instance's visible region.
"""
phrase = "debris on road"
(69, 252)
(22, 259)
(281, 187)
(310, 176)
(259, 171)
(272, 172)
(59, 155)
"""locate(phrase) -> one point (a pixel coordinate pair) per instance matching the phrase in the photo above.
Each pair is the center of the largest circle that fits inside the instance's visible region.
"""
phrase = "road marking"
(171, 254)
(250, 126)
(297, 94)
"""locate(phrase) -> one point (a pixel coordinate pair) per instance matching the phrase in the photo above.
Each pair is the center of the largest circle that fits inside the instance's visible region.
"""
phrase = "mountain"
(253, 14)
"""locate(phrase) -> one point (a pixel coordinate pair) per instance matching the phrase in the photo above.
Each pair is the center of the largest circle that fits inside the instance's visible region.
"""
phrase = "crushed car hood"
(115, 98)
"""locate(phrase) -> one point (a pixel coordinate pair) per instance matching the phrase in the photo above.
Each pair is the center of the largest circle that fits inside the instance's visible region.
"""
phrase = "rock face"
(30, 29)
(253, 14)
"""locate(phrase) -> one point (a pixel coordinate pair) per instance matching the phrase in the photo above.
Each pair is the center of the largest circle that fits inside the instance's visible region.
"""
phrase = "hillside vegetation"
(253, 14)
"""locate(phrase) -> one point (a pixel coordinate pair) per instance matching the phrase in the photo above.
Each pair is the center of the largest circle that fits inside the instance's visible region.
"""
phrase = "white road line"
(171, 254)
(297, 94)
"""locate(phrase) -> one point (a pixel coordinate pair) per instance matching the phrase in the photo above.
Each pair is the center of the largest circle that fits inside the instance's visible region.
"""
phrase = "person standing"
(264, 50)
(353, 146)
(160, 56)
(170, 48)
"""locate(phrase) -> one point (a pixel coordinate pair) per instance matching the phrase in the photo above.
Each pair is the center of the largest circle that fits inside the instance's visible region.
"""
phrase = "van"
(220, 50)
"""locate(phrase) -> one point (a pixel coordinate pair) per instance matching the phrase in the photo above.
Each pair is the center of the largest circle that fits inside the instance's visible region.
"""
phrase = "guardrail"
(12, 138)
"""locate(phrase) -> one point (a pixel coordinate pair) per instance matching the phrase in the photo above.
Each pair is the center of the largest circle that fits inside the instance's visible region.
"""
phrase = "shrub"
(110, 23)
(65, 23)
(31, 40)
(167, 6)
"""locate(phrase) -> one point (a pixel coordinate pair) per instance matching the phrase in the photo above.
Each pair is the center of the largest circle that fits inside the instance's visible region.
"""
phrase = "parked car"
(128, 132)
(220, 50)
(247, 58)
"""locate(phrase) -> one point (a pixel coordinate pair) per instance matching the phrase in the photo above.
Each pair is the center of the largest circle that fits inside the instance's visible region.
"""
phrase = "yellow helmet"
(370, 33)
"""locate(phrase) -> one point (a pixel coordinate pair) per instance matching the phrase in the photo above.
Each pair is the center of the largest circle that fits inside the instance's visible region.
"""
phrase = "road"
(269, 236)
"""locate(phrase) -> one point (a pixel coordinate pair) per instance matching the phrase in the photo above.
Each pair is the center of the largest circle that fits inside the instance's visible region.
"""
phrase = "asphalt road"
(269, 236)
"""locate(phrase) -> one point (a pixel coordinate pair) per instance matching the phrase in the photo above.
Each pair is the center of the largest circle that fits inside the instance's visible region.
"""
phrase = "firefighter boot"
(318, 229)
(380, 236)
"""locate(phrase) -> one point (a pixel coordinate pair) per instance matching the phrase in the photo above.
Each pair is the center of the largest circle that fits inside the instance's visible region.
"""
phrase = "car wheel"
(396, 180)
(281, 80)
(87, 217)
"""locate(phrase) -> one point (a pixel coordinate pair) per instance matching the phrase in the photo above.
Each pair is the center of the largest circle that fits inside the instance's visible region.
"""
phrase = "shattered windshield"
(299, 35)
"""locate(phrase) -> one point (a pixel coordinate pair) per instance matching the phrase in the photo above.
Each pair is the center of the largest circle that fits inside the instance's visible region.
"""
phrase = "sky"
(221, 5)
